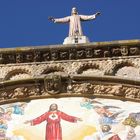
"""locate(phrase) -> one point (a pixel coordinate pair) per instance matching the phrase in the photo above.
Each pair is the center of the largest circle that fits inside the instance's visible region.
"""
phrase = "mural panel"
(70, 119)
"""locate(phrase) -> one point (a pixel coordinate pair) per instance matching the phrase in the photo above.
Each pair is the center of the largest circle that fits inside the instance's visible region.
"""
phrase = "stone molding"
(102, 69)
(99, 67)
(71, 86)
(70, 52)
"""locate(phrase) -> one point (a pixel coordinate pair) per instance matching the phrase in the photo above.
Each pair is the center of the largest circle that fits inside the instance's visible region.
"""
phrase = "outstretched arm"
(89, 17)
(69, 118)
(59, 20)
(37, 120)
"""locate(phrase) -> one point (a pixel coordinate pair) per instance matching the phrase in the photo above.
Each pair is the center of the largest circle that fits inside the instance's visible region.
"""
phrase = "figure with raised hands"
(53, 118)
(74, 21)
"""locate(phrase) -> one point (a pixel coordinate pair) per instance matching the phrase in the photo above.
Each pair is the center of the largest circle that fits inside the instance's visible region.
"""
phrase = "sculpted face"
(74, 11)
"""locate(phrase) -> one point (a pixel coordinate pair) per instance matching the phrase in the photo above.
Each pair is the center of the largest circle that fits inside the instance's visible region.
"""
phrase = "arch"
(17, 72)
(53, 70)
(89, 67)
(121, 65)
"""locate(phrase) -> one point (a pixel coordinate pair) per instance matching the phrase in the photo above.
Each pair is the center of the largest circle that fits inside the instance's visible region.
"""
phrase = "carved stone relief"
(52, 85)
(129, 67)
(107, 90)
(128, 72)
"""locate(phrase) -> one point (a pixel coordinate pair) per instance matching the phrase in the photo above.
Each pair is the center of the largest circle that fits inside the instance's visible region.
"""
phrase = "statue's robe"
(53, 126)
(74, 21)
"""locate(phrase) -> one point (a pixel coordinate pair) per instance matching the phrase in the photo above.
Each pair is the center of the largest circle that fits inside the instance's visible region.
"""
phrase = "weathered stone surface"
(118, 60)
(59, 86)
(70, 52)
(122, 67)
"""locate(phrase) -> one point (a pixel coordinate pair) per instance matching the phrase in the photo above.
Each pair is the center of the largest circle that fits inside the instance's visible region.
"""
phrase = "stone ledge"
(70, 52)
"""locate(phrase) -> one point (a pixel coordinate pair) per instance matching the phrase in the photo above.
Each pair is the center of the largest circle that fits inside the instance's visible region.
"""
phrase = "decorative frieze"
(70, 52)
(126, 68)
(60, 86)
(103, 69)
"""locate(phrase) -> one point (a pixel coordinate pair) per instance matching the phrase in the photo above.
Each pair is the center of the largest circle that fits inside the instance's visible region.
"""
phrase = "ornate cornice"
(70, 52)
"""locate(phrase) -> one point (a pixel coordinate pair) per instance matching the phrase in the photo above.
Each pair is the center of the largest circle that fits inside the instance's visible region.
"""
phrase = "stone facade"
(116, 61)
(122, 67)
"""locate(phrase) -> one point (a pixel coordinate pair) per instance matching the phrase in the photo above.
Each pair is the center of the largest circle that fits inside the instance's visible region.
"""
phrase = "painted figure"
(106, 116)
(89, 103)
(132, 121)
(105, 134)
(74, 21)
(19, 109)
(53, 118)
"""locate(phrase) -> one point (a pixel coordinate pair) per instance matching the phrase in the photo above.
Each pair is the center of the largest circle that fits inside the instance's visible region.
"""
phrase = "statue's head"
(74, 11)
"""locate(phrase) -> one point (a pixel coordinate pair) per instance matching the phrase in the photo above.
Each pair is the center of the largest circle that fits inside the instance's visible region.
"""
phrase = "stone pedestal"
(76, 40)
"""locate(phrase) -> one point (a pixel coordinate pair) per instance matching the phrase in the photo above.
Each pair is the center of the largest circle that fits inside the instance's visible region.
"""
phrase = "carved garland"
(56, 86)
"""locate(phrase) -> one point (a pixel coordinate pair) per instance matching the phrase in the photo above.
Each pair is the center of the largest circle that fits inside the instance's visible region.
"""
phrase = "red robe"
(111, 136)
(115, 137)
(53, 126)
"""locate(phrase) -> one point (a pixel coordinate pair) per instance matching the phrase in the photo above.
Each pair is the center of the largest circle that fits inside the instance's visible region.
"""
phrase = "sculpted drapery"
(75, 23)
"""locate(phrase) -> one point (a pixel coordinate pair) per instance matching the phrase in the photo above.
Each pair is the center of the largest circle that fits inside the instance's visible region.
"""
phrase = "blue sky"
(25, 22)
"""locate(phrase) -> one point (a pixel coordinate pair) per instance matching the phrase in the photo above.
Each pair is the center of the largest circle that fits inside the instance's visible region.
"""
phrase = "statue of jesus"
(74, 21)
